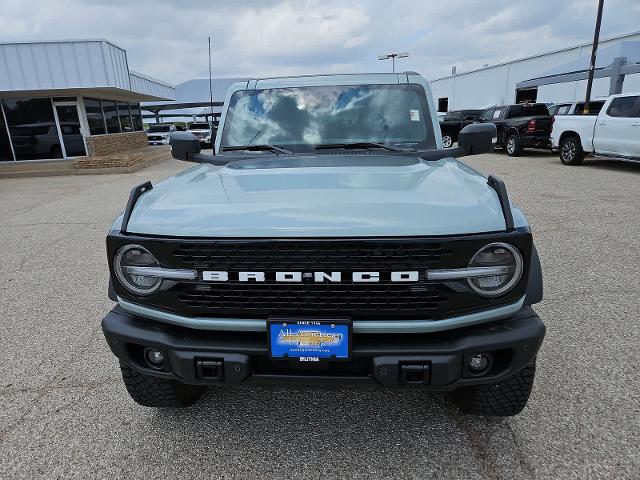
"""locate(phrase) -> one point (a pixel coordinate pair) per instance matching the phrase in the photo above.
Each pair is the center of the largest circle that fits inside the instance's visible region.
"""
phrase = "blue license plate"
(309, 340)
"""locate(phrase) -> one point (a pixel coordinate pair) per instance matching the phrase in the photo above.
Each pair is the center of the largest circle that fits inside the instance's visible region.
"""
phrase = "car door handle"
(602, 123)
(635, 124)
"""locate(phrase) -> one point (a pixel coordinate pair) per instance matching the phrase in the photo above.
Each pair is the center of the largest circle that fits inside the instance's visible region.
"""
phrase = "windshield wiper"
(256, 148)
(355, 145)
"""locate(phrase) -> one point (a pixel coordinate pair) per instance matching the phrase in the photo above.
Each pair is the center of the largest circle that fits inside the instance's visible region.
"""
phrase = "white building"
(72, 100)
(506, 82)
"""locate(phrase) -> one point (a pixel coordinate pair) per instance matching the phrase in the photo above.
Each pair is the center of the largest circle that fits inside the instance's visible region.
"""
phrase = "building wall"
(496, 85)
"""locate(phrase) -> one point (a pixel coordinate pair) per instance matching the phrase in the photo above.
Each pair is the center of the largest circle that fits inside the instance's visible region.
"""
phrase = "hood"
(321, 196)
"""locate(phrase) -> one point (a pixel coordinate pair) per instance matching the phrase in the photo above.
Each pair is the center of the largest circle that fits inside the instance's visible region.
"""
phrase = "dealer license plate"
(309, 340)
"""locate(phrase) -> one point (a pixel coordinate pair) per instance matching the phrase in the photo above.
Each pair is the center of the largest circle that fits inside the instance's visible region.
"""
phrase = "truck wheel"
(447, 141)
(513, 146)
(151, 391)
(571, 152)
(502, 399)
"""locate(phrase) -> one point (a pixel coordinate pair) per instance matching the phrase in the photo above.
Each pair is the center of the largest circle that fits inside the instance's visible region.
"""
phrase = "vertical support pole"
(617, 78)
(594, 51)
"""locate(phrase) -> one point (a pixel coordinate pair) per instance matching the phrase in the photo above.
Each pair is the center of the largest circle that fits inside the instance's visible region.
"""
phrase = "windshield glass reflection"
(300, 118)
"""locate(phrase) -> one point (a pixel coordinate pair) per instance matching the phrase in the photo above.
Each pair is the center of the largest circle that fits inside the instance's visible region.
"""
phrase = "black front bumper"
(436, 361)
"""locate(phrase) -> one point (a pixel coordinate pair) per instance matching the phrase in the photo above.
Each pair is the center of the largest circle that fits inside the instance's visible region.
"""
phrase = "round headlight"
(497, 255)
(136, 256)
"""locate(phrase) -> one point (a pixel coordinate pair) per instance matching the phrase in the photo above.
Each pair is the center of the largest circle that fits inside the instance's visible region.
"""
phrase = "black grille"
(311, 299)
(312, 256)
(381, 300)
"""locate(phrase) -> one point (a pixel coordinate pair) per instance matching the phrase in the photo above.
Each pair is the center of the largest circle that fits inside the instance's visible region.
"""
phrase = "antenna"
(210, 86)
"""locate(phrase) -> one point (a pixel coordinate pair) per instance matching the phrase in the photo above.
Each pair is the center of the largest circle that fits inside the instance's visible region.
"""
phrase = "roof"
(605, 57)
(537, 55)
(195, 93)
(74, 67)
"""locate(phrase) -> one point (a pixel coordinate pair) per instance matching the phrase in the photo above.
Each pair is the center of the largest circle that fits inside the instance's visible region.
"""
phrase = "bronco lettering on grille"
(311, 277)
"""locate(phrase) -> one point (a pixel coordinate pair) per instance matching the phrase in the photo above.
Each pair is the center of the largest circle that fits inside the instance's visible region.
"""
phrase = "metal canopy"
(614, 62)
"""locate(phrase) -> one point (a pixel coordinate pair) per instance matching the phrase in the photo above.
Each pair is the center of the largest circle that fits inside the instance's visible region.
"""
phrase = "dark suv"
(455, 121)
(524, 125)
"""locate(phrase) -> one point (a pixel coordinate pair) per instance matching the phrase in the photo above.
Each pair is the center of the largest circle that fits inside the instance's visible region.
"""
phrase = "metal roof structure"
(192, 96)
(615, 62)
(74, 67)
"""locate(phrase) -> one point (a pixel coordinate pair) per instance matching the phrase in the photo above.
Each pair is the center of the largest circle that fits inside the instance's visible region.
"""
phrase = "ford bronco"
(329, 238)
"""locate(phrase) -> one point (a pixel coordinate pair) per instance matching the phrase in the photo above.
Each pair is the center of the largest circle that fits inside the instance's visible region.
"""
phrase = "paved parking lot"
(65, 414)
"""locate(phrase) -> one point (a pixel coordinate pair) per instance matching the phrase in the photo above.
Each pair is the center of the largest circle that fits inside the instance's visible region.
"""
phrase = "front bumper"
(205, 357)
(164, 141)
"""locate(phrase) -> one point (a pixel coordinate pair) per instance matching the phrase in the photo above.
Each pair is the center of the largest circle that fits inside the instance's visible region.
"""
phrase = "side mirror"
(186, 146)
(477, 138)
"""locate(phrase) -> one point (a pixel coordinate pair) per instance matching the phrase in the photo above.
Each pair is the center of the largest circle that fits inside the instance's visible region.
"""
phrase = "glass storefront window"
(136, 117)
(95, 118)
(32, 128)
(5, 145)
(70, 129)
(111, 116)
(125, 117)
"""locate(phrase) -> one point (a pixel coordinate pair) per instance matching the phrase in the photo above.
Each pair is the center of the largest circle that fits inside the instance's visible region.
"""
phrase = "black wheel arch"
(534, 281)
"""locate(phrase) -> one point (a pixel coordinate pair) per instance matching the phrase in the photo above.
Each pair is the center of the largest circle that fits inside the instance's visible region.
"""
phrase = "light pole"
(393, 57)
(594, 51)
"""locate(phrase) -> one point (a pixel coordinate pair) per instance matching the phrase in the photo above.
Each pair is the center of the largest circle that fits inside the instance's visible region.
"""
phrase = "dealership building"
(73, 101)
(551, 77)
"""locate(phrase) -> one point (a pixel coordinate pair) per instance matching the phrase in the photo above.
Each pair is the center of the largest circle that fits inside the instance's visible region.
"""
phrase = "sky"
(168, 39)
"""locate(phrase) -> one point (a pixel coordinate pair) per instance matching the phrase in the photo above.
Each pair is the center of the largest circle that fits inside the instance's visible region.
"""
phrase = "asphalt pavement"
(64, 412)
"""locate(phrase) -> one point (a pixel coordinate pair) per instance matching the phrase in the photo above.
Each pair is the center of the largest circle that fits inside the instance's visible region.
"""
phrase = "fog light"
(155, 357)
(478, 363)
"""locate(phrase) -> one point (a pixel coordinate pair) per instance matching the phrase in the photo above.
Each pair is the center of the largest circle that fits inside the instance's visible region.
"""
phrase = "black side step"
(135, 194)
(498, 185)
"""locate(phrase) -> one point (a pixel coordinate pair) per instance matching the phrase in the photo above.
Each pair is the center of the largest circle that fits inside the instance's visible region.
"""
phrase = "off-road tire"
(158, 392)
(502, 399)
(512, 145)
(447, 141)
(570, 151)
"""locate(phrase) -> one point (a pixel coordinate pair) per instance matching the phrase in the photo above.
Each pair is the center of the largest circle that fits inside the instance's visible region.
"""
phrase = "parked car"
(575, 108)
(453, 122)
(159, 134)
(202, 131)
(614, 132)
(328, 237)
(520, 126)
(41, 140)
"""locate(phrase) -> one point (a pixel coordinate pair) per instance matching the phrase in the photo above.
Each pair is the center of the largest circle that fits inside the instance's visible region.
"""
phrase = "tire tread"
(502, 399)
(152, 391)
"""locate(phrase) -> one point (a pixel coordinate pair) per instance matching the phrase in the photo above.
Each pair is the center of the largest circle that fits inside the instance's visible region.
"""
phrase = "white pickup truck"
(614, 132)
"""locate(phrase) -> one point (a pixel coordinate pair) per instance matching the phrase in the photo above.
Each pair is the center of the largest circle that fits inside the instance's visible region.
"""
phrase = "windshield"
(199, 126)
(300, 118)
(159, 129)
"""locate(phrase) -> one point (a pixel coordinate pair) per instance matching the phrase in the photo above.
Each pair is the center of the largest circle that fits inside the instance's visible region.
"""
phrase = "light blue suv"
(330, 238)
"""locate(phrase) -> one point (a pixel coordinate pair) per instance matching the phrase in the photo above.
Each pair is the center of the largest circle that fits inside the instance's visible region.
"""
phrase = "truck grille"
(311, 299)
(312, 256)
(381, 300)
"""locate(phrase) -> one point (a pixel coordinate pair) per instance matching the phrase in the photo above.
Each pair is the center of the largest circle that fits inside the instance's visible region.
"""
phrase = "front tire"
(571, 152)
(447, 141)
(502, 399)
(157, 392)
(513, 146)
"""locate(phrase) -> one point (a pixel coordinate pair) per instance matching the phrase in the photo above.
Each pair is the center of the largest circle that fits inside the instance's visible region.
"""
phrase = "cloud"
(168, 39)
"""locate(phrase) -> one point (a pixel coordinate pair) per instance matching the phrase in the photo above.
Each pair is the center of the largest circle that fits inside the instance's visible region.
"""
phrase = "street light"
(393, 57)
